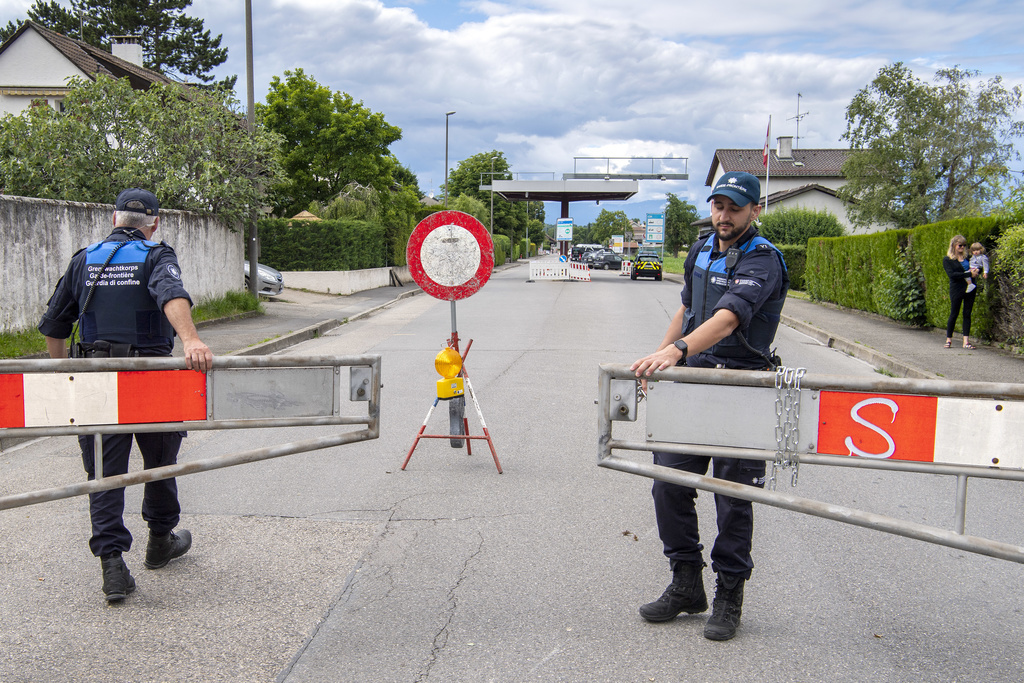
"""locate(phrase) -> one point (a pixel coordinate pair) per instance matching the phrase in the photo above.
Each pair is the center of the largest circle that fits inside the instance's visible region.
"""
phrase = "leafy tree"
(924, 152)
(172, 42)
(471, 205)
(609, 223)
(796, 225)
(184, 144)
(679, 214)
(330, 140)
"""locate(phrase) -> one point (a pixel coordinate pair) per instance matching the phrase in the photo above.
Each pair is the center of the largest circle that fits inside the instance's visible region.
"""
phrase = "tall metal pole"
(447, 114)
(250, 117)
(492, 196)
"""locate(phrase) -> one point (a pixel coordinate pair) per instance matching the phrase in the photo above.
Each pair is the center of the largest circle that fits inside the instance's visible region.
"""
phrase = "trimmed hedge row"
(860, 271)
(795, 256)
(322, 245)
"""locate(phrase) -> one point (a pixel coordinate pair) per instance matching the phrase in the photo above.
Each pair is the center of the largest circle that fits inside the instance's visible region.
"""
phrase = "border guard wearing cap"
(126, 296)
(735, 283)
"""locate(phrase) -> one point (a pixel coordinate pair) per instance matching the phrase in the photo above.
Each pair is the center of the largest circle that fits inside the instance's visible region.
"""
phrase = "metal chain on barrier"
(787, 415)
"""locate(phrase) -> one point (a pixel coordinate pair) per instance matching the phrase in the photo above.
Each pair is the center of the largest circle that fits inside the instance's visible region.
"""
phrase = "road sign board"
(563, 229)
(655, 228)
(450, 255)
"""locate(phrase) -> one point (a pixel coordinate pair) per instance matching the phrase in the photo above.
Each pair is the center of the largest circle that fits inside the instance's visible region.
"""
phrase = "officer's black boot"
(726, 608)
(163, 549)
(684, 594)
(117, 580)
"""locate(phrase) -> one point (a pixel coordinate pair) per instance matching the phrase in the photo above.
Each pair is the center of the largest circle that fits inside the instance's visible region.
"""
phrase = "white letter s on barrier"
(881, 432)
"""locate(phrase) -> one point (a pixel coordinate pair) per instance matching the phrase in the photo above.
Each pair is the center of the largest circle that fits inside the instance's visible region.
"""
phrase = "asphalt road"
(338, 566)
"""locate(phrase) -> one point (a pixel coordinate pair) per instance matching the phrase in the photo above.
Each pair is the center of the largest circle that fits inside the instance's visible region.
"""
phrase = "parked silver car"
(271, 281)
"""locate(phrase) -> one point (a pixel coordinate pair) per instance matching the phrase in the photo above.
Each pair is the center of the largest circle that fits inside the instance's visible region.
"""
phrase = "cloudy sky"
(545, 81)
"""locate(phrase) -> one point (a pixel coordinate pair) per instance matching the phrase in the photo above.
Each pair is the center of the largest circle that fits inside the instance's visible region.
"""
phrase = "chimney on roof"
(785, 150)
(128, 48)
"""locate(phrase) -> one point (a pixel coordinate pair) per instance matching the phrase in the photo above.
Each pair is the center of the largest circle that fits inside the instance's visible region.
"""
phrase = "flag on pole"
(767, 173)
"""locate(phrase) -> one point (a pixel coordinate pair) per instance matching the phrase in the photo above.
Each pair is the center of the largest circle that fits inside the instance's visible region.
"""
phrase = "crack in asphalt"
(441, 637)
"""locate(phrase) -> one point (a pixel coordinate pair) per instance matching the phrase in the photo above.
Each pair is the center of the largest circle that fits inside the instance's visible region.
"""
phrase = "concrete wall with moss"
(39, 236)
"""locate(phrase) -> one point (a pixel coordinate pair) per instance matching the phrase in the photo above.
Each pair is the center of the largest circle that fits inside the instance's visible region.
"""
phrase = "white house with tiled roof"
(36, 63)
(804, 178)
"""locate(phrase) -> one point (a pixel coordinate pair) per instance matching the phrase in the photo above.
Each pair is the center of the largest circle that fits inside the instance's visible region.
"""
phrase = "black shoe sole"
(660, 620)
(118, 597)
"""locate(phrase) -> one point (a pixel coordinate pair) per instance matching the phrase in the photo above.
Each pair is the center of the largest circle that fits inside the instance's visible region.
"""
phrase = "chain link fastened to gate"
(787, 415)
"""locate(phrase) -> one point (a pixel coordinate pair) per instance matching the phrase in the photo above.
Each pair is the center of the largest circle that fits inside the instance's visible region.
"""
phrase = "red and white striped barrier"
(101, 398)
(579, 271)
(553, 270)
(627, 267)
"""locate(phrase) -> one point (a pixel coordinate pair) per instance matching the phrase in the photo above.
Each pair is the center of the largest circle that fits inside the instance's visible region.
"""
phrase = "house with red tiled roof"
(804, 178)
(36, 63)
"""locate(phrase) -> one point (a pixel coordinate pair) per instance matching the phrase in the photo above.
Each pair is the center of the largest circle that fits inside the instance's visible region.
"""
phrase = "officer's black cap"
(138, 200)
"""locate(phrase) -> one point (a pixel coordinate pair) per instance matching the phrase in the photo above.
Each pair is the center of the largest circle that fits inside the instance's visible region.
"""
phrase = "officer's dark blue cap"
(740, 187)
(138, 200)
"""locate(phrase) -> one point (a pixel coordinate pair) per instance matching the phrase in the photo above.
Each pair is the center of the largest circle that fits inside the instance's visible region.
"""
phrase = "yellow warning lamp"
(448, 364)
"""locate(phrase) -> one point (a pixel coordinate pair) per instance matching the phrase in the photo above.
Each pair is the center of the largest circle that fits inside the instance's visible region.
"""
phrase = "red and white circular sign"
(450, 255)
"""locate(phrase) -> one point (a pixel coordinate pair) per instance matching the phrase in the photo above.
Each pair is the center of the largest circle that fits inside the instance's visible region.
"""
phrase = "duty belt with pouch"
(102, 349)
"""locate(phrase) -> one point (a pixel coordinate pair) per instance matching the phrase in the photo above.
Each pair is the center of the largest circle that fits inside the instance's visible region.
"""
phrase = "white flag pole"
(767, 161)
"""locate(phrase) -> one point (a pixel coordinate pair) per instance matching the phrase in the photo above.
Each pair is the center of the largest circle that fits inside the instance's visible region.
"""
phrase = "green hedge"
(502, 247)
(795, 256)
(843, 269)
(870, 272)
(322, 245)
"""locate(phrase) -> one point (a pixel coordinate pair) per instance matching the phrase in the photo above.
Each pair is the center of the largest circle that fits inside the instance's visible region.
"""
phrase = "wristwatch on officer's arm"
(681, 345)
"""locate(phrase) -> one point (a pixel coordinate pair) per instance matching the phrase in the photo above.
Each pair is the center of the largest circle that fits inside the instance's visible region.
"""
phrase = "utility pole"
(250, 118)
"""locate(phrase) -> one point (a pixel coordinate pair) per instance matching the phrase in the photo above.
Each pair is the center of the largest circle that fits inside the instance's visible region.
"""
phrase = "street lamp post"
(447, 114)
(492, 196)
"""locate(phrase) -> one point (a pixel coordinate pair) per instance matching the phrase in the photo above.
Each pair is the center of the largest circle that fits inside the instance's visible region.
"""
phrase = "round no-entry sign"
(450, 255)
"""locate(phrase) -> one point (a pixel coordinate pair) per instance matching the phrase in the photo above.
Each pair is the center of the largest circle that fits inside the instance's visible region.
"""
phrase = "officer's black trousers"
(674, 506)
(159, 499)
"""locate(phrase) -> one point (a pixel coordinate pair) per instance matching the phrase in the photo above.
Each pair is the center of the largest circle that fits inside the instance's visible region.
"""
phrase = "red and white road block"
(579, 271)
(101, 398)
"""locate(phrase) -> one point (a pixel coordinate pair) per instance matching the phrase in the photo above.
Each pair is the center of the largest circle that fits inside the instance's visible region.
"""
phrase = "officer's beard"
(728, 232)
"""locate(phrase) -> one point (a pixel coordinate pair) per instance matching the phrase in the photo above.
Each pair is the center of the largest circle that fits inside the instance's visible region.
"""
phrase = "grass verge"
(27, 342)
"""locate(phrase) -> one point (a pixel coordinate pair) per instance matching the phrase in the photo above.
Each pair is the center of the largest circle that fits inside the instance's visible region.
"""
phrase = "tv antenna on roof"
(797, 118)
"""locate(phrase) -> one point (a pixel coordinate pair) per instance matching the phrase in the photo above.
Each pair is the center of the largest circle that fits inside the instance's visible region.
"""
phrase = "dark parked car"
(606, 260)
(271, 280)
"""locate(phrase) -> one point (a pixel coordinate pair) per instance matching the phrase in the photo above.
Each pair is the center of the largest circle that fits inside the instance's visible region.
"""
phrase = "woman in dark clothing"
(958, 268)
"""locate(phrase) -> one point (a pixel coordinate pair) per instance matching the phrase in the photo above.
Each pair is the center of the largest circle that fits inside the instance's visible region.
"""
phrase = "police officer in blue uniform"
(735, 283)
(127, 297)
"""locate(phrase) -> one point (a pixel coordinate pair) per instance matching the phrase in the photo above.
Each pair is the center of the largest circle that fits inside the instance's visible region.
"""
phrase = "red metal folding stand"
(454, 343)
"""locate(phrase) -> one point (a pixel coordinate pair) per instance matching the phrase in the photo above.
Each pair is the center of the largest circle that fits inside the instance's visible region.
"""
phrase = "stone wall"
(39, 237)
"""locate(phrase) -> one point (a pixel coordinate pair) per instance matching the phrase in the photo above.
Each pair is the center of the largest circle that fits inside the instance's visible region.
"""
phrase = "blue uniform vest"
(122, 310)
(710, 281)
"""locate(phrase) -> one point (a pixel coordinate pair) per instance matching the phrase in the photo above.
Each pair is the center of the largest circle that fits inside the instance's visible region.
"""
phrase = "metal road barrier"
(127, 395)
(789, 419)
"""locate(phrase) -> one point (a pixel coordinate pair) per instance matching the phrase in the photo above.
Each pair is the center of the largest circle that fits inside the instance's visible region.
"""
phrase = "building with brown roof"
(804, 178)
(36, 64)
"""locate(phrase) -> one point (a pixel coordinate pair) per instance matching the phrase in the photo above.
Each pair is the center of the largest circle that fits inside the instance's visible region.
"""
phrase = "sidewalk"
(900, 349)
